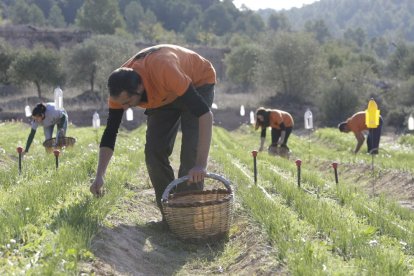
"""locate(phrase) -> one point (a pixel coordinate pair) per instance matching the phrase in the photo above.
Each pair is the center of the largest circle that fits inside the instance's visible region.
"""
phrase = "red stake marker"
(298, 164)
(56, 153)
(335, 167)
(254, 153)
(20, 150)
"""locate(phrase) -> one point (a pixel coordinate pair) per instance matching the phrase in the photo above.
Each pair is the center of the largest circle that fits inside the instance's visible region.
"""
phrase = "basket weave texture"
(199, 215)
(50, 146)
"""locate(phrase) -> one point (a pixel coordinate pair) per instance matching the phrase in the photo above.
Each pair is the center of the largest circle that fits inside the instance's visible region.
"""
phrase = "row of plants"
(327, 142)
(358, 228)
(48, 216)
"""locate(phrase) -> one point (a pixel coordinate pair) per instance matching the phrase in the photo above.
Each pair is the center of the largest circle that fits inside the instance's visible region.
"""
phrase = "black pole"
(298, 164)
(56, 153)
(309, 149)
(20, 150)
(373, 175)
(335, 167)
(254, 153)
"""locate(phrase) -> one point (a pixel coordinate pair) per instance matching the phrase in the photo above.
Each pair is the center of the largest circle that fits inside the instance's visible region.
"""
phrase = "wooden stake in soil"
(20, 150)
(254, 153)
(335, 167)
(298, 164)
(56, 153)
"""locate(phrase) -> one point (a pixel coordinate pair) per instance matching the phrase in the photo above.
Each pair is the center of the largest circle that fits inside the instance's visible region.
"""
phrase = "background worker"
(46, 115)
(356, 124)
(176, 86)
(279, 121)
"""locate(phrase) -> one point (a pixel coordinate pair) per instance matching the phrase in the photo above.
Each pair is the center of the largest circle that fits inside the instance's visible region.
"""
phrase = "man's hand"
(197, 174)
(96, 187)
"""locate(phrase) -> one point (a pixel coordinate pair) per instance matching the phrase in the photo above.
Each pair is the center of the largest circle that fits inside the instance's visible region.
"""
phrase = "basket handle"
(185, 178)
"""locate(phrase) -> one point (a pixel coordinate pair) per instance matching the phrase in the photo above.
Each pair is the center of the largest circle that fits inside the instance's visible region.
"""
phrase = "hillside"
(387, 18)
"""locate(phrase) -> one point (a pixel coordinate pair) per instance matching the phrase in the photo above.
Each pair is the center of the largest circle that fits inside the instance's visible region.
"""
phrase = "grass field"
(50, 223)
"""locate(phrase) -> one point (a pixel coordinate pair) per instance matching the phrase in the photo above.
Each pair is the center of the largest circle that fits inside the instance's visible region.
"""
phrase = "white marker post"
(96, 124)
(58, 93)
(129, 114)
(411, 123)
(27, 111)
(308, 117)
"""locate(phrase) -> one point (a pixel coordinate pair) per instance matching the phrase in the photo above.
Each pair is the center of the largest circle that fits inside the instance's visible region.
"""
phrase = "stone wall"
(28, 36)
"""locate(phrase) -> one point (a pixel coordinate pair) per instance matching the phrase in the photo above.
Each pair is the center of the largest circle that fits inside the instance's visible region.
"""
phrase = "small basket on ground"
(50, 144)
(199, 215)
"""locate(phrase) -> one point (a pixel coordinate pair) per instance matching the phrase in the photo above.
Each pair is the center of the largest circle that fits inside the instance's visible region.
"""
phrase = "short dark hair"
(261, 111)
(341, 126)
(39, 110)
(123, 79)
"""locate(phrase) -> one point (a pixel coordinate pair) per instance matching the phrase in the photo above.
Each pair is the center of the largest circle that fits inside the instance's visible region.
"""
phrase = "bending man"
(279, 121)
(356, 124)
(176, 87)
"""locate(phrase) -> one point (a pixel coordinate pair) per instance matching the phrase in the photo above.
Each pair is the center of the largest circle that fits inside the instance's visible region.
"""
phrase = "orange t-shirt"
(277, 117)
(167, 72)
(356, 123)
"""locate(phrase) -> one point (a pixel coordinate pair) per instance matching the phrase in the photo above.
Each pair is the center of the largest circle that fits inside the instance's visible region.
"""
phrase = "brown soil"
(138, 244)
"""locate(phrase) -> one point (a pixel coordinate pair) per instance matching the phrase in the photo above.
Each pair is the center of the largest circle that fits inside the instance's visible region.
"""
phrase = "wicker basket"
(50, 144)
(199, 215)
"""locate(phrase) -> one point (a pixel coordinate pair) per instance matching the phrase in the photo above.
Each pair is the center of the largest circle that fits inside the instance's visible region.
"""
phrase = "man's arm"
(200, 109)
(106, 149)
(262, 138)
(205, 123)
(105, 155)
(30, 140)
(360, 140)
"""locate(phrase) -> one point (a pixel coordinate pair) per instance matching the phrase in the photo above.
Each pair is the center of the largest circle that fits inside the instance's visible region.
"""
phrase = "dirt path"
(137, 244)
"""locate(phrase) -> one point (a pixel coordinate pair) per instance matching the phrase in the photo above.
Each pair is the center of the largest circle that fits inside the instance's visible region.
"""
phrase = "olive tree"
(92, 61)
(241, 64)
(82, 63)
(39, 66)
(288, 64)
(7, 55)
(102, 17)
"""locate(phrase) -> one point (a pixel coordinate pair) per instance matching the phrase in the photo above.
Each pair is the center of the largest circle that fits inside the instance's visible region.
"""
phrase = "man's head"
(38, 113)
(343, 127)
(125, 87)
(261, 115)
